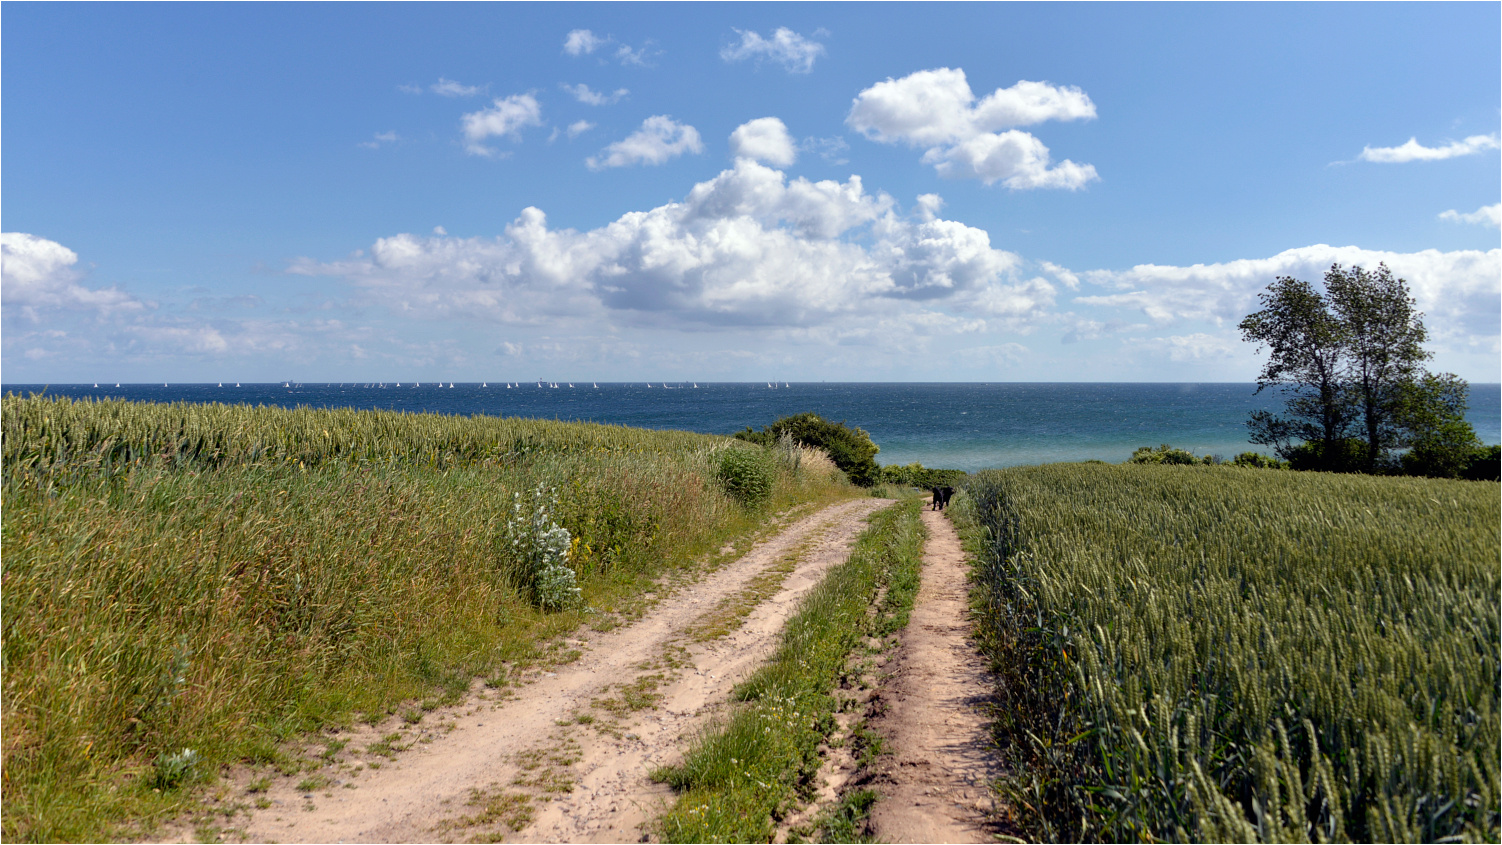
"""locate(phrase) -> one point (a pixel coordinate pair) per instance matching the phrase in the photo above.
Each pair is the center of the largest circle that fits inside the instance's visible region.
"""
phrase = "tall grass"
(1208, 654)
(219, 579)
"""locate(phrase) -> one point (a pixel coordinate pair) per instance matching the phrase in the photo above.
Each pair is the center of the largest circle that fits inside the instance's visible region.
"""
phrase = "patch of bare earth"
(564, 755)
(934, 781)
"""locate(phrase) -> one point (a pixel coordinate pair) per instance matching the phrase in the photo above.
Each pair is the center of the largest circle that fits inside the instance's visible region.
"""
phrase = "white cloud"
(450, 88)
(764, 139)
(1063, 274)
(1486, 215)
(832, 150)
(1194, 347)
(627, 56)
(660, 138)
(579, 127)
(1460, 292)
(970, 139)
(582, 42)
(409, 89)
(505, 117)
(583, 94)
(747, 248)
(1414, 151)
(1016, 159)
(37, 275)
(928, 206)
(379, 139)
(793, 51)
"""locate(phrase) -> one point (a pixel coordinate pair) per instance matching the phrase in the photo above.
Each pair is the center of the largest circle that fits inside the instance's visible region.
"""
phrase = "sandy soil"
(563, 756)
(934, 781)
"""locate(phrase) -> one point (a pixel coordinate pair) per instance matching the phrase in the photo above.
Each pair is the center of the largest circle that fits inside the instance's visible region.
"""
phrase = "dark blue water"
(961, 426)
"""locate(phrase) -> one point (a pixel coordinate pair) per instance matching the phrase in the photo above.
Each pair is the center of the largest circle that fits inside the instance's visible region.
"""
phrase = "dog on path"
(941, 497)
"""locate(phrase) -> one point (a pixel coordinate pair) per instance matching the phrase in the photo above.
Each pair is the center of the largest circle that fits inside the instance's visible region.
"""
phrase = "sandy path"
(565, 757)
(934, 782)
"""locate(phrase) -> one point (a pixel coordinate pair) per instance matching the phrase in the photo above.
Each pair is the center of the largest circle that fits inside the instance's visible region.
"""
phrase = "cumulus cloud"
(1414, 151)
(1486, 215)
(450, 88)
(38, 275)
(794, 52)
(579, 127)
(506, 116)
(1460, 291)
(580, 42)
(749, 247)
(584, 94)
(968, 138)
(764, 139)
(659, 139)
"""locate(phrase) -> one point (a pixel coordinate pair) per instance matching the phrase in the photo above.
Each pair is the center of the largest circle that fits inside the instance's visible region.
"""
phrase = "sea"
(968, 426)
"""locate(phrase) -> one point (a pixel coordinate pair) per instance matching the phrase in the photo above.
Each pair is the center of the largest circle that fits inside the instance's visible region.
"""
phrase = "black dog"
(941, 497)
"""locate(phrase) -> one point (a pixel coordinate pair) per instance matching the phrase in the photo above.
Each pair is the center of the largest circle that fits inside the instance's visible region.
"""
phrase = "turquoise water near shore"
(960, 426)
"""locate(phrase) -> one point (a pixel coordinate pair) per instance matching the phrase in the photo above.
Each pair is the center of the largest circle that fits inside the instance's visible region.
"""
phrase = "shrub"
(747, 475)
(1349, 456)
(1257, 460)
(1166, 454)
(916, 474)
(1485, 464)
(850, 448)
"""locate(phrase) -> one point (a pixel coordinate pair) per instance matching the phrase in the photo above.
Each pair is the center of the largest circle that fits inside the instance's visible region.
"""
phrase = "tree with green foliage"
(851, 449)
(1383, 340)
(1350, 363)
(1307, 344)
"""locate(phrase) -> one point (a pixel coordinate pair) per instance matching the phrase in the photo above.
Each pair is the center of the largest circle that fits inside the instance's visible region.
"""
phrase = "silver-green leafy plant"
(172, 770)
(541, 546)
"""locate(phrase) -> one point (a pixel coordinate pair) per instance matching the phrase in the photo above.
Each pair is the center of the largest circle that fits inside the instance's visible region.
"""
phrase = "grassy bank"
(218, 578)
(743, 775)
(1219, 654)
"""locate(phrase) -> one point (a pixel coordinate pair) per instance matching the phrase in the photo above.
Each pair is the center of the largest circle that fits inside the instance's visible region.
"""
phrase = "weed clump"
(173, 770)
(541, 547)
(747, 475)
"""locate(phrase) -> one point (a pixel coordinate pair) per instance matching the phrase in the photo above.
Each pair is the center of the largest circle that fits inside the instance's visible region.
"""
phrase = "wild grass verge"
(1207, 654)
(744, 774)
(186, 587)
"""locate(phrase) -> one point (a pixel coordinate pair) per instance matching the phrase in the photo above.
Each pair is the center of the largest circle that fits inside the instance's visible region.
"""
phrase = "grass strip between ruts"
(742, 775)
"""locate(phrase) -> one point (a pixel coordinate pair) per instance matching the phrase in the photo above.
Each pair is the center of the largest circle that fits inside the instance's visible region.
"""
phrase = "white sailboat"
(597, 385)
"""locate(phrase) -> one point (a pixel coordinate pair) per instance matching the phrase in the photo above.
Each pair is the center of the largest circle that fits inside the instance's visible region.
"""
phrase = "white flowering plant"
(541, 547)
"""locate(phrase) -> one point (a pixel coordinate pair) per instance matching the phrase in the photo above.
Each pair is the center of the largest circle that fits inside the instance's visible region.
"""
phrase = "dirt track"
(565, 756)
(934, 782)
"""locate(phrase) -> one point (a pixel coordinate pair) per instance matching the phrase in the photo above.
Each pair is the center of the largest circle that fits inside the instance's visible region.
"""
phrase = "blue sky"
(890, 192)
